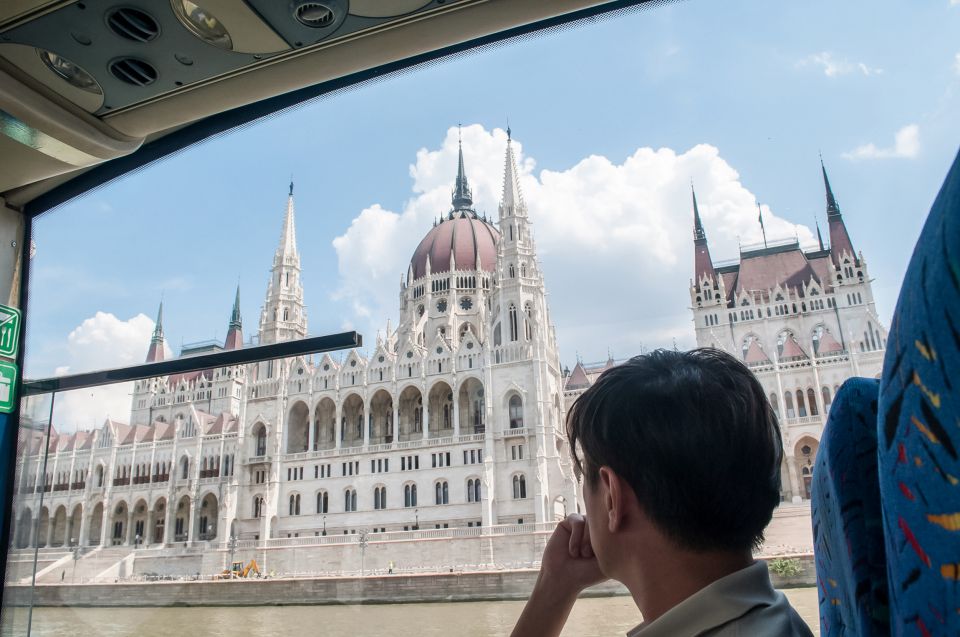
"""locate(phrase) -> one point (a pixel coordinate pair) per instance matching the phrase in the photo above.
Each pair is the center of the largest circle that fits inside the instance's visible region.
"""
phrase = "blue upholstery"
(847, 528)
(919, 430)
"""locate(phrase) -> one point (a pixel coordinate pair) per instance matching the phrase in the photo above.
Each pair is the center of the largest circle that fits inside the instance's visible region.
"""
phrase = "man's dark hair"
(693, 435)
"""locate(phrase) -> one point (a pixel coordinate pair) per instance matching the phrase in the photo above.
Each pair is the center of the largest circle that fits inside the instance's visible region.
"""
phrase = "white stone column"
(456, 414)
(795, 492)
(105, 522)
(367, 421)
(396, 420)
(339, 432)
(83, 539)
(191, 522)
(168, 521)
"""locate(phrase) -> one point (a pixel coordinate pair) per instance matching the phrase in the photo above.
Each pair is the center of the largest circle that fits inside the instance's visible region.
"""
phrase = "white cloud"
(906, 145)
(615, 238)
(833, 67)
(100, 342)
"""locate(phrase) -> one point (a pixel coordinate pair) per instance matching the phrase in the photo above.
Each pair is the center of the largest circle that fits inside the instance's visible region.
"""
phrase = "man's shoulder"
(778, 619)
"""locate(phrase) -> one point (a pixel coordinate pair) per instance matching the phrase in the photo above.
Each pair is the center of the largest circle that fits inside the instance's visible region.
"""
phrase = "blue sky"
(738, 96)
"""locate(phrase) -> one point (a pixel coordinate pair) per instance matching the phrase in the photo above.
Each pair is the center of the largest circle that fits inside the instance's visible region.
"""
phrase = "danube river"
(601, 617)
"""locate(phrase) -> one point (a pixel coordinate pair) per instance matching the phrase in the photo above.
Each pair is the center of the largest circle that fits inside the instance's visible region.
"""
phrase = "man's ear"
(613, 496)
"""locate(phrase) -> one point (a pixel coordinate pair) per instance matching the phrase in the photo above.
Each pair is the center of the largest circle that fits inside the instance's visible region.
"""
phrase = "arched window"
(258, 506)
(523, 269)
(184, 467)
(801, 404)
(323, 503)
(473, 490)
(409, 495)
(100, 475)
(294, 504)
(812, 401)
(788, 404)
(825, 391)
(350, 500)
(519, 487)
(516, 412)
(261, 442)
(380, 498)
(512, 272)
(775, 404)
(528, 322)
(442, 492)
(512, 317)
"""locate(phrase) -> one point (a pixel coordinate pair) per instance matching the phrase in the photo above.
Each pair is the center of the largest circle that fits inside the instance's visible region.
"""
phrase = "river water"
(598, 617)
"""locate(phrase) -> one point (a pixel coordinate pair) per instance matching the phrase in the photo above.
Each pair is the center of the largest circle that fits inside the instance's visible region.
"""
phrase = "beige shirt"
(740, 604)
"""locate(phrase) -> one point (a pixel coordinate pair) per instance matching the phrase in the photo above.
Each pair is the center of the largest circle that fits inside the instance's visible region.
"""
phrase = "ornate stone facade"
(454, 419)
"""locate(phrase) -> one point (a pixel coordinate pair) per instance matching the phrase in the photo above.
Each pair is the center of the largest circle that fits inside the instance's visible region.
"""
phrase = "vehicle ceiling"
(92, 89)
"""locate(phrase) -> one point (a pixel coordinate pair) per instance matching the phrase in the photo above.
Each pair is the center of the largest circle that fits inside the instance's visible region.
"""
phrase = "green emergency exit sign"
(9, 331)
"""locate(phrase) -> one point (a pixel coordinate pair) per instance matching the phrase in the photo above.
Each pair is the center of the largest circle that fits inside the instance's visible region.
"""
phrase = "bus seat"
(919, 430)
(847, 526)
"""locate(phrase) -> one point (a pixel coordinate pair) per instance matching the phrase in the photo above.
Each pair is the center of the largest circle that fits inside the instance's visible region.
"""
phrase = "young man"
(681, 464)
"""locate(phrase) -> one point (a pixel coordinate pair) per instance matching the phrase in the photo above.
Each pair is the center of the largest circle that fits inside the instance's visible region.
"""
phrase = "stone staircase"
(102, 564)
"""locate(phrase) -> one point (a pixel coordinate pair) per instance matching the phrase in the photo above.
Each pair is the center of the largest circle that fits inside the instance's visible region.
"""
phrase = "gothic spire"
(288, 236)
(832, 208)
(234, 338)
(702, 263)
(698, 233)
(235, 320)
(819, 236)
(840, 243)
(462, 195)
(155, 353)
(512, 200)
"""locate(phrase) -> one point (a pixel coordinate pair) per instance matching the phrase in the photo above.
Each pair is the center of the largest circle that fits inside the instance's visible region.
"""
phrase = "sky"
(611, 122)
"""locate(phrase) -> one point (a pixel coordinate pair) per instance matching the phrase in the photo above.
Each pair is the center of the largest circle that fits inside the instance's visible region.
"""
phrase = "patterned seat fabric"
(847, 527)
(919, 430)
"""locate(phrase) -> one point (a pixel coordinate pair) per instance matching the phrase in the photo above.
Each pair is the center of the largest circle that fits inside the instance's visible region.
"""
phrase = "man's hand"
(569, 565)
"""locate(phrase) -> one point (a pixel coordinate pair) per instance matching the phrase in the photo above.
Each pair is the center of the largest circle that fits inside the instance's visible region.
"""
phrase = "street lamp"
(416, 516)
(233, 547)
(324, 525)
(136, 541)
(75, 547)
(363, 550)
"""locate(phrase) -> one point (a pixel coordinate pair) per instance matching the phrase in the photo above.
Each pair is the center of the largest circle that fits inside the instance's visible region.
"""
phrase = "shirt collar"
(714, 605)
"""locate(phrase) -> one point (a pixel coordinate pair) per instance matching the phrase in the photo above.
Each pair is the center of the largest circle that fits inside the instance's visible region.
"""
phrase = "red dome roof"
(465, 237)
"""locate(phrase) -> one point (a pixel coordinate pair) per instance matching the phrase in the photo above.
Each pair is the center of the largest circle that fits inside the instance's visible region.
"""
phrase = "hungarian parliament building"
(455, 418)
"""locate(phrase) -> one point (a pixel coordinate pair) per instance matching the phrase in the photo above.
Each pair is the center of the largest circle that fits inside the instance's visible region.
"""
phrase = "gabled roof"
(792, 349)
(828, 344)
(755, 354)
(577, 378)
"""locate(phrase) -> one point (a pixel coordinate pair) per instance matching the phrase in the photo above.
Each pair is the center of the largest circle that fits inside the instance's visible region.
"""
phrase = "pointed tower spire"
(840, 244)
(698, 233)
(155, 353)
(832, 207)
(702, 263)
(235, 330)
(288, 235)
(819, 236)
(511, 202)
(283, 316)
(462, 195)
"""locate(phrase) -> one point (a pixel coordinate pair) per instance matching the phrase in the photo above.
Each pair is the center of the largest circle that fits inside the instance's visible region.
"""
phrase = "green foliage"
(786, 567)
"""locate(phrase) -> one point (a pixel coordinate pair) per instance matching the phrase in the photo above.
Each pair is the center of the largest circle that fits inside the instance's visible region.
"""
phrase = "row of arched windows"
(441, 496)
(800, 403)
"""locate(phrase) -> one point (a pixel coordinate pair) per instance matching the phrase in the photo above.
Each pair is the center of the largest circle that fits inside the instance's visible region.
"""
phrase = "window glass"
(495, 269)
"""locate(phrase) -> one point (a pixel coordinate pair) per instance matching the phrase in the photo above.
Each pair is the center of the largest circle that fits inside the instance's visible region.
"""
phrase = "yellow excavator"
(238, 571)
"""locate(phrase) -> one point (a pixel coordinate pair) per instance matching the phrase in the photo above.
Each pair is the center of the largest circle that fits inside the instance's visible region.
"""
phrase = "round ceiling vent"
(315, 15)
(133, 71)
(132, 24)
